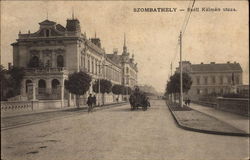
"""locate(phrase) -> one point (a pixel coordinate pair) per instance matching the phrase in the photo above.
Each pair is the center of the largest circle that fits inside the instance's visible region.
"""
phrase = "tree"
(16, 77)
(78, 84)
(10, 81)
(173, 86)
(3, 82)
(117, 89)
(105, 87)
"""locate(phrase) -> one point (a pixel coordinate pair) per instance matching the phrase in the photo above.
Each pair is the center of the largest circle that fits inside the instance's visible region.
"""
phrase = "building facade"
(212, 78)
(129, 67)
(54, 51)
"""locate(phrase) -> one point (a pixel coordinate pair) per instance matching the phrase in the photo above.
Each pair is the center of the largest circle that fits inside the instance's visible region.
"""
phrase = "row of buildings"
(50, 54)
(213, 78)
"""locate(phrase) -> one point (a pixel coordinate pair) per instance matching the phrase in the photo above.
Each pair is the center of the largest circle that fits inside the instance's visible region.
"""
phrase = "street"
(117, 133)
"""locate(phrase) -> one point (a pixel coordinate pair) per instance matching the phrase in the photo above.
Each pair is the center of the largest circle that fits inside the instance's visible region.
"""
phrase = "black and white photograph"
(124, 80)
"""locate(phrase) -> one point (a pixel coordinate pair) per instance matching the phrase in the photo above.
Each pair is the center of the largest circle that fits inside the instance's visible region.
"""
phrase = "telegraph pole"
(181, 92)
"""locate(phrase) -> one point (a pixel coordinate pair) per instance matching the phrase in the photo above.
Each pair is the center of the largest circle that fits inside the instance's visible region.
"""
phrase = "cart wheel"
(144, 108)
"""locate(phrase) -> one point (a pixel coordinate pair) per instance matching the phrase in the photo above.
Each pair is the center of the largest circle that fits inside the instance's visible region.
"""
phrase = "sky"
(151, 36)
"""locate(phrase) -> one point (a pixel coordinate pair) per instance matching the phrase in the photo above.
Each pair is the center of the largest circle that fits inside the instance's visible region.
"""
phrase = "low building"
(218, 78)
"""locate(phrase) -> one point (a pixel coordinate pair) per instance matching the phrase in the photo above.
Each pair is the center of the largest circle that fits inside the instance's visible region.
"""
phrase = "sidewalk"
(238, 121)
(194, 120)
(10, 121)
(12, 113)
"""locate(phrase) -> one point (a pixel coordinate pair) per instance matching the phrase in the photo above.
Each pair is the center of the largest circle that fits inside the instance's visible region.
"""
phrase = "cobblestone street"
(118, 134)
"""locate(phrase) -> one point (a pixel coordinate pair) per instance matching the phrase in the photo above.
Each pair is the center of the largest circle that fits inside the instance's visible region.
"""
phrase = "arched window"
(41, 86)
(60, 61)
(88, 66)
(47, 32)
(55, 83)
(41, 83)
(27, 82)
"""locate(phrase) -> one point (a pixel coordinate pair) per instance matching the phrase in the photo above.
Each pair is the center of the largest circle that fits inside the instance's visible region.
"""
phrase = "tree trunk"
(103, 98)
(77, 101)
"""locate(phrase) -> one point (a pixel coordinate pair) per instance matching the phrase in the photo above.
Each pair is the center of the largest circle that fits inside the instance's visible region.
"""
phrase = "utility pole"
(181, 92)
(171, 95)
(171, 68)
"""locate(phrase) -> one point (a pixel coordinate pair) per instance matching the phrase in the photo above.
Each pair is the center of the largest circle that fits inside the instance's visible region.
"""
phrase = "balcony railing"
(45, 70)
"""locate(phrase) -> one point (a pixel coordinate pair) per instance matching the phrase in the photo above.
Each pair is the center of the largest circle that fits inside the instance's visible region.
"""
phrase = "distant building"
(129, 67)
(217, 78)
(50, 54)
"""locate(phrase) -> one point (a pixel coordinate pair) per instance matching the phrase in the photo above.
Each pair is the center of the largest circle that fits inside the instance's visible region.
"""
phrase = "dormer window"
(47, 33)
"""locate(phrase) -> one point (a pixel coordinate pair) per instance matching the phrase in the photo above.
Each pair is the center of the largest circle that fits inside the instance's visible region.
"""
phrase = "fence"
(204, 103)
(32, 105)
(234, 105)
(16, 105)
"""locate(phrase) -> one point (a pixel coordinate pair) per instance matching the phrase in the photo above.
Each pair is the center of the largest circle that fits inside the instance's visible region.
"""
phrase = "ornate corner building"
(54, 51)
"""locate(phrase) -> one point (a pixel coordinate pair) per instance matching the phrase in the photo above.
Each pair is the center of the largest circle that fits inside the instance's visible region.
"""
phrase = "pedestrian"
(188, 101)
(117, 99)
(94, 100)
(90, 102)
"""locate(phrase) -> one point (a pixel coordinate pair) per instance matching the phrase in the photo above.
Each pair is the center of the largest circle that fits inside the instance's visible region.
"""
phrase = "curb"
(84, 109)
(206, 131)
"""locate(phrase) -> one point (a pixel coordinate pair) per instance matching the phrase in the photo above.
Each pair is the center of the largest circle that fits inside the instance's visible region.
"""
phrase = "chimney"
(201, 62)
(115, 51)
(212, 62)
(228, 62)
(96, 41)
(73, 25)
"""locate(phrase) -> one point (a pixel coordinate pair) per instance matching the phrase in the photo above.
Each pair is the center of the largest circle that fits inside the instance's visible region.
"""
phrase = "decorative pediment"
(34, 52)
(47, 52)
(59, 51)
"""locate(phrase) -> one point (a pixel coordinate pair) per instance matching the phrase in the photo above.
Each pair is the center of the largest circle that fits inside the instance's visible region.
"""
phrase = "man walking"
(90, 103)
(94, 100)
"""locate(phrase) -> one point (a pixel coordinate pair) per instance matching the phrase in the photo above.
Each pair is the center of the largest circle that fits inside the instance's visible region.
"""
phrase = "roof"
(216, 67)
(59, 27)
(114, 58)
(47, 22)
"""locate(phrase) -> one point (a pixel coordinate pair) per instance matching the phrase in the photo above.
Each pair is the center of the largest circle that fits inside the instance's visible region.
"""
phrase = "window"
(92, 66)
(206, 91)
(27, 84)
(88, 65)
(60, 61)
(198, 80)
(221, 80)
(47, 32)
(221, 91)
(198, 91)
(213, 79)
(96, 67)
(229, 79)
(205, 80)
(237, 80)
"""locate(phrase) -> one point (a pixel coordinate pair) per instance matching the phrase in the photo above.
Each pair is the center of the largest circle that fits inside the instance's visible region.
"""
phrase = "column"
(23, 87)
(48, 86)
(62, 92)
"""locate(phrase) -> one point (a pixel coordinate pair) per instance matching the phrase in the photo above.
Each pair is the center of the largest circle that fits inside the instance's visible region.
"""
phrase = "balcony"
(58, 70)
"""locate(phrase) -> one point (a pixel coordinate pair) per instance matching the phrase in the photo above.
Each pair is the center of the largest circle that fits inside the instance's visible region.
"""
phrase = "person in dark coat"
(94, 100)
(188, 101)
(90, 102)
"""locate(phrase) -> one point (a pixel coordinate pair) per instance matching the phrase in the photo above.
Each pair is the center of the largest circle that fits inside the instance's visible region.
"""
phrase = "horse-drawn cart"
(137, 100)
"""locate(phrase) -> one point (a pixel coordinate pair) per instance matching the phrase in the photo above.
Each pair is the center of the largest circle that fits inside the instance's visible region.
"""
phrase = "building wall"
(219, 83)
